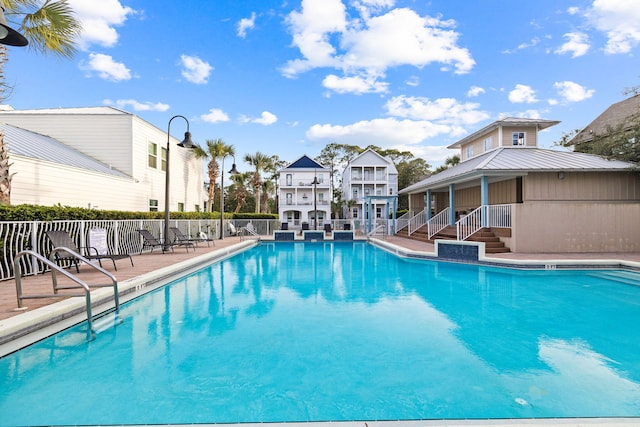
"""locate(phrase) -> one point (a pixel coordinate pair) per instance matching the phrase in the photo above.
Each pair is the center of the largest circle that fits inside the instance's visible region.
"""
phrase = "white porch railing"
(498, 216)
(403, 220)
(417, 221)
(438, 223)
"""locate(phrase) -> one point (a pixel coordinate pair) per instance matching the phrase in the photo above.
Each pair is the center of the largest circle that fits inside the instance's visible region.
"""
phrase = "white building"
(302, 201)
(369, 176)
(98, 157)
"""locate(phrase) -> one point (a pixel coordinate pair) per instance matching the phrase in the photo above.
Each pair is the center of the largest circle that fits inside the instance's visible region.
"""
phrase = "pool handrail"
(55, 268)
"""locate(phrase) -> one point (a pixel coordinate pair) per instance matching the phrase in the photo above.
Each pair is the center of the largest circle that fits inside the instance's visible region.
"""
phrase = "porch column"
(484, 200)
(428, 204)
(452, 204)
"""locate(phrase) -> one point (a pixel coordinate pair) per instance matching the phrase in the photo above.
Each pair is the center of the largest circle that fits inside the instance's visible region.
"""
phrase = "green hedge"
(52, 213)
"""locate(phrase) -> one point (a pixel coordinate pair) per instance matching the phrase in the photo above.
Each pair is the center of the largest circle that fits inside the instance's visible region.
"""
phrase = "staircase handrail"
(470, 224)
(438, 222)
(403, 220)
(417, 221)
(499, 216)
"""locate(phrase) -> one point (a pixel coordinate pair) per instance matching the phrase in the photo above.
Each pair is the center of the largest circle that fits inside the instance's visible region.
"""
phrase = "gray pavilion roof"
(516, 161)
(34, 145)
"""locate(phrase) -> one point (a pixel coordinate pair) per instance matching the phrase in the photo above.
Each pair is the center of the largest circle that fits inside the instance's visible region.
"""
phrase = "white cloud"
(215, 115)
(106, 67)
(619, 20)
(442, 110)
(246, 24)
(523, 94)
(475, 91)
(363, 48)
(194, 69)
(266, 118)
(99, 19)
(383, 132)
(356, 85)
(577, 44)
(573, 92)
(123, 104)
(413, 81)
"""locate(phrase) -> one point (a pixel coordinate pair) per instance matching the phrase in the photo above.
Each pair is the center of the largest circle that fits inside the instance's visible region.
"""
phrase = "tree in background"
(409, 172)
(51, 28)
(448, 163)
(216, 149)
(239, 190)
(273, 175)
(259, 161)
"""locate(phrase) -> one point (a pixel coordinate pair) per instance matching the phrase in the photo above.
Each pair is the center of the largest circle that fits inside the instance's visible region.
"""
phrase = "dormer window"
(488, 143)
(519, 138)
(469, 151)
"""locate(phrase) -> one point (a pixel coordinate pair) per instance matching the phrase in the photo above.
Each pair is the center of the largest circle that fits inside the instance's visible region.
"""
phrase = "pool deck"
(41, 317)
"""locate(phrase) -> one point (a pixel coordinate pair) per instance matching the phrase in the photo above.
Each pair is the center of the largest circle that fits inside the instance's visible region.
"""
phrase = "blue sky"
(288, 77)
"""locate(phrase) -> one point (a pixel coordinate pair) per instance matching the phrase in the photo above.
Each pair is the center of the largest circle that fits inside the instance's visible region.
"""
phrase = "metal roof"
(67, 111)
(34, 145)
(507, 121)
(518, 161)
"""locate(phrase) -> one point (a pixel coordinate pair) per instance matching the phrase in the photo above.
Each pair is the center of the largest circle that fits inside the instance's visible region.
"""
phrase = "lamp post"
(233, 171)
(315, 200)
(186, 143)
(8, 35)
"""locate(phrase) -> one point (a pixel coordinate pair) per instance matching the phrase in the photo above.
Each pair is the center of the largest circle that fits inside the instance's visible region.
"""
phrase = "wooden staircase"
(492, 243)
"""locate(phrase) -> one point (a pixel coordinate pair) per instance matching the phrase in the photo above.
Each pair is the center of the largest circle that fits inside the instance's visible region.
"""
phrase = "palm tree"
(240, 180)
(259, 161)
(51, 28)
(216, 149)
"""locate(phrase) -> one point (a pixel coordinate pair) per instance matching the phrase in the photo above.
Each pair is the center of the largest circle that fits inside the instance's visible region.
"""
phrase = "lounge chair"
(62, 239)
(180, 238)
(232, 230)
(150, 241)
(327, 228)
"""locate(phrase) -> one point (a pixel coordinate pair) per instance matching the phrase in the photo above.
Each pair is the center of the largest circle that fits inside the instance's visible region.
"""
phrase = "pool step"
(105, 322)
(626, 277)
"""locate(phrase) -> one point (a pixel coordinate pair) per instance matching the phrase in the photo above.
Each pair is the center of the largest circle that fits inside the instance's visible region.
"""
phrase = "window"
(153, 205)
(289, 198)
(354, 213)
(197, 208)
(380, 175)
(470, 151)
(355, 193)
(320, 179)
(378, 212)
(320, 197)
(366, 191)
(163, 159)
(488, 143)
(356, 174)
(519, 138)
(180, 207)
(289, 179)
(379, 192)
(152, 161)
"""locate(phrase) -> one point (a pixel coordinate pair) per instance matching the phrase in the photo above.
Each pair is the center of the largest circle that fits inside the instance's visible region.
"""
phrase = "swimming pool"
(343, 331)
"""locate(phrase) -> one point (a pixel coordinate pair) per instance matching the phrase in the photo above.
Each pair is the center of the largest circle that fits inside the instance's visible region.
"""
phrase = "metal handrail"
(470, 224)
(417, 221)
(403, 220)
(377, 229)
(55, 268)
(438, 222)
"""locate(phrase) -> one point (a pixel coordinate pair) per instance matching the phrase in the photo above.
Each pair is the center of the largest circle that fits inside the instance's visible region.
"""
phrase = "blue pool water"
(345, 331)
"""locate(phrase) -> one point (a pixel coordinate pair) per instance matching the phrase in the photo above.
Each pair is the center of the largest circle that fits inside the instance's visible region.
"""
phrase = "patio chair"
(62, 239)
(327, 228)
(180, 238)
(232, 230)
(150, 241)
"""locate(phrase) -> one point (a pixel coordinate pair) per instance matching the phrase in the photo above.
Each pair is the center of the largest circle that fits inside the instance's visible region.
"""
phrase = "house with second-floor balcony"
(304, 194)
(98, 157)
(369, 187)
(513, 195)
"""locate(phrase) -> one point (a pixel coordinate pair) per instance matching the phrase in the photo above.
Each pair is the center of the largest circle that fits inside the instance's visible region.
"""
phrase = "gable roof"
(305, 162)
(507, 121)
(620, 113)
(36, 146)
(390, 165)
(66, 111)
(506, 161)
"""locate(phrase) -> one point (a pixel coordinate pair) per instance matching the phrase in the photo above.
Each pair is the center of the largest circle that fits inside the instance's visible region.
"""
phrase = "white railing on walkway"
(439, 222)
(122, 236)
(403, 220)
(499, 216)
(417, 221)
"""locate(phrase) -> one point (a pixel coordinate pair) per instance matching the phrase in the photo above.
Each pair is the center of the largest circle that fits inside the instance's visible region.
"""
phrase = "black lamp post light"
(8, 35)
(186, 143)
